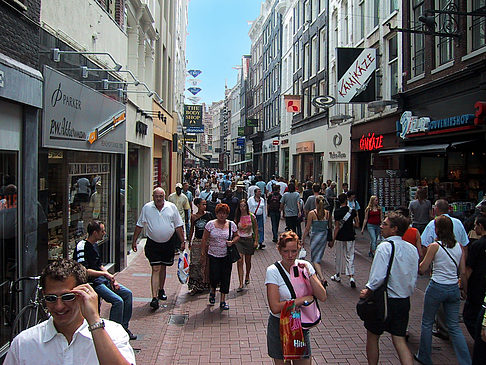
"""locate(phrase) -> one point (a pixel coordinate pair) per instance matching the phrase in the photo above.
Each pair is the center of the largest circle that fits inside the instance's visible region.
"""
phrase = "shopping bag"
(183, 267)
(302, 253)
(291, 335)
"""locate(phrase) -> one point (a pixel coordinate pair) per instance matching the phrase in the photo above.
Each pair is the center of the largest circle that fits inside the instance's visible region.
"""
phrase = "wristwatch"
(96, 325)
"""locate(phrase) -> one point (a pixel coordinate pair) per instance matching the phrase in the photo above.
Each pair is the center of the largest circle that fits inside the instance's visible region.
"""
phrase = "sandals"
(212, 298)
(239, 289)
(223, 306)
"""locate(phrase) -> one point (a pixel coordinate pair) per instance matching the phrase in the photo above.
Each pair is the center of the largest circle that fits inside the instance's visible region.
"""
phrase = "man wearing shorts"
(164, 232)
(401, 283)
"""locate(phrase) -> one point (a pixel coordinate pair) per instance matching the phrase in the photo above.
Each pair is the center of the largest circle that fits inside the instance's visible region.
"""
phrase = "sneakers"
(336, 278)
(352, 282)
(162, 295)
(154, 303)
(130, 334)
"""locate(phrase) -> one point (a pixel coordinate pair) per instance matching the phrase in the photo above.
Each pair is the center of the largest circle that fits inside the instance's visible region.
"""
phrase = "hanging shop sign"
(305, 147)
(194, 73)
(337, 155)
(190, 138)
(275, 142)
(371, 142)
(193, 116)
(194, 90)
(240, 141)
(76, 117)
(141, 128)
(356, 74)
(292, 103)
(410, 126)
(252, 122)
(241, 131)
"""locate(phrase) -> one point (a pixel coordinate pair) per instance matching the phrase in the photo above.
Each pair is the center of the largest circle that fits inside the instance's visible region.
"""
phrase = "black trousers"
(291, 223)
(220, 273)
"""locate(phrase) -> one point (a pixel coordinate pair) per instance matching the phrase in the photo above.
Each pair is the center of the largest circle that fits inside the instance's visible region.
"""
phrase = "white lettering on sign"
(411, 124)
(2, 78)
(356, 78)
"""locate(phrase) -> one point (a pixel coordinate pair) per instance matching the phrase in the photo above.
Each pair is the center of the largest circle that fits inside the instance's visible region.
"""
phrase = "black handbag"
(233, 253)
(374, 306)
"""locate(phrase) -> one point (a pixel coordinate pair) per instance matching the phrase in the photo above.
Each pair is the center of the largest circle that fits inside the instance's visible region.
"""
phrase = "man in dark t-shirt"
(476, 273)
(87, 253)
(343, 238)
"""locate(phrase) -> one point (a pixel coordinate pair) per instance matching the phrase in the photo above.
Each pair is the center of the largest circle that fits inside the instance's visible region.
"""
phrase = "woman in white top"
(447, 256)
(278, 293)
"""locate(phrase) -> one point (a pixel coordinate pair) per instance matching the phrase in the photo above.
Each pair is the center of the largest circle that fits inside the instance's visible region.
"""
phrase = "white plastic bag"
(183, 267)
(302, 253)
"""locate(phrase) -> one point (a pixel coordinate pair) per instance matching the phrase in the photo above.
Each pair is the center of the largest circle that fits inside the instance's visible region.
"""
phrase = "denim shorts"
(274, 346)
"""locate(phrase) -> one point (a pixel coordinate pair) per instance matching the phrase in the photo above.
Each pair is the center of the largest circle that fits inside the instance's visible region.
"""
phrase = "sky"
(217, 39)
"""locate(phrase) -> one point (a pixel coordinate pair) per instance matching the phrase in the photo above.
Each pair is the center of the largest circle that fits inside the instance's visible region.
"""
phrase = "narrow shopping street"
(185, 330)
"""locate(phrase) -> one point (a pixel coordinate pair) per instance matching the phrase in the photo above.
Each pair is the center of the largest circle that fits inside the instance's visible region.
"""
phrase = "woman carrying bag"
(248, 241)
(218, 235)
(448, 260)
(318, 220)
(278, 294)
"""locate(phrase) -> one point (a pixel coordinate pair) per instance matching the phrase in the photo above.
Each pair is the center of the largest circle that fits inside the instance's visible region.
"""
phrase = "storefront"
(139, 131)
(284, 163)
(337, 155)
(20, 104)
(371, 173)
(82, 167)
(307, 160)
(447, 156)
(270, 157)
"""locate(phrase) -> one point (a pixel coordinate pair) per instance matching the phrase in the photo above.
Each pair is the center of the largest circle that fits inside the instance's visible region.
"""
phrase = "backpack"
(274, 202)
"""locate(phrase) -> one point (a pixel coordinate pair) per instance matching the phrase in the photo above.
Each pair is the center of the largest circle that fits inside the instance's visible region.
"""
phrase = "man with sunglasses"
(75, 333)
(87, 253)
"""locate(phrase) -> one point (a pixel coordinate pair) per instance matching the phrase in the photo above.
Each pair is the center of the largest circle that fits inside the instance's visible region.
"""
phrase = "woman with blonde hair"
(317, 224)
(373, 217)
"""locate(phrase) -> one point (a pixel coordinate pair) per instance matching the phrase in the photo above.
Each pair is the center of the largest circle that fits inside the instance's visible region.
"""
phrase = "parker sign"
(356, 73)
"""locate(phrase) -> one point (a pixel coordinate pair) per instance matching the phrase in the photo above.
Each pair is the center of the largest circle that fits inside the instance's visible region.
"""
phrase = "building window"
(393, 5)
(305, 106)
(314, 57)
(344, 31)
(362, 17)
(308, 62)
(322, 5)
(393, 64)
(322, 49)
(478, 26)
(335, 23)
(314, 93)
(315, 9)
(444, 44)
(418, 56)
(307, 11)
(376, 13)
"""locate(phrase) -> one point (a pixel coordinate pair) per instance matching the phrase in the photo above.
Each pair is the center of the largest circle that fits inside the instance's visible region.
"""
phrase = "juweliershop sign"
(410, 126)
(76, 117)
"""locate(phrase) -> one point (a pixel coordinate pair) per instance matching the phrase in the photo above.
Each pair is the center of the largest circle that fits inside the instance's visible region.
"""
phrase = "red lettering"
(370, 143)
(480, 112)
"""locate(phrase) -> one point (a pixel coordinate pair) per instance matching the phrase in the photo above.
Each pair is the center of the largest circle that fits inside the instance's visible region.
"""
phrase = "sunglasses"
(52, 298)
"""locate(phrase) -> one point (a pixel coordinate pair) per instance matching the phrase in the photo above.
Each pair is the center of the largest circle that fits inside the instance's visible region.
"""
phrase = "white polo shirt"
(160, 224)
(43, 345)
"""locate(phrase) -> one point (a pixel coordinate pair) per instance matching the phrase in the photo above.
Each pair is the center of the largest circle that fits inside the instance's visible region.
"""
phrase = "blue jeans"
(121, 303)
(261, 232)
(275, 217)
(450, 297)
(374, 231)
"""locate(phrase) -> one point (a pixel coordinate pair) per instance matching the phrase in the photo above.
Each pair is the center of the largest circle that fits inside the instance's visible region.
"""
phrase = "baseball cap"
(178, 185)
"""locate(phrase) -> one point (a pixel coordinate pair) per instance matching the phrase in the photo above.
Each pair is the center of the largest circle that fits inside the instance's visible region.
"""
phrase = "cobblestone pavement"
(238, 336)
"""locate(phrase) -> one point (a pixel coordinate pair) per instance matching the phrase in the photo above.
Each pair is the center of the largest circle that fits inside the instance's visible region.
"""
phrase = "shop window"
(8, 232)
(80, 190)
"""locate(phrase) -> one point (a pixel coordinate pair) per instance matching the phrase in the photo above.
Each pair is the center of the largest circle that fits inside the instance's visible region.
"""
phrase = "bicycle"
(32, 313)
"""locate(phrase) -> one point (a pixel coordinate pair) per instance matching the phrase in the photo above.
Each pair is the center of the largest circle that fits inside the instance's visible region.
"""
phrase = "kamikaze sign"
(356, 74)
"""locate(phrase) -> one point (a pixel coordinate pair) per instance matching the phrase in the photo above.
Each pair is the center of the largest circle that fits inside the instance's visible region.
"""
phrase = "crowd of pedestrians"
(212, 211)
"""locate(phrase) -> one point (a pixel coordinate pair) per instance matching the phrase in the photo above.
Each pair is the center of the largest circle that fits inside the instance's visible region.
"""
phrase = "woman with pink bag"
(286, 280)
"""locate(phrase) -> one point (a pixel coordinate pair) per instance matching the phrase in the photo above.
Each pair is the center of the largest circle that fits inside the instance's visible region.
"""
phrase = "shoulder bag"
(374, 306)
(311, 314)
(233, 253)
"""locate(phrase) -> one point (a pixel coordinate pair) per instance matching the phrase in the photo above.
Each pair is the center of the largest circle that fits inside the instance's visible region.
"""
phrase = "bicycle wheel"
(28, 316)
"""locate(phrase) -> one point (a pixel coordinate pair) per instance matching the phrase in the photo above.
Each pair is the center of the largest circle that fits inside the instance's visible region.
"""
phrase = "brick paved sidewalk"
(238, 336)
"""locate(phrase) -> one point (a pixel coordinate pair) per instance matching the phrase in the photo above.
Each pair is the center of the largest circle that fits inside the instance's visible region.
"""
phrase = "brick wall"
(19, 37)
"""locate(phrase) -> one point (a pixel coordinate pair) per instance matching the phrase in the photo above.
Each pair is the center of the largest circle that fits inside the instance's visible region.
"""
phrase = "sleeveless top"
(444, 270)
(319, 225)
(374, 217)
(245, 226)
(200, 223)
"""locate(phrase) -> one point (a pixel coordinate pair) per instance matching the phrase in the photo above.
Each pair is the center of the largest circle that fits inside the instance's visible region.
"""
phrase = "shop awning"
(195, 154)
(239, 163)
(431, 148)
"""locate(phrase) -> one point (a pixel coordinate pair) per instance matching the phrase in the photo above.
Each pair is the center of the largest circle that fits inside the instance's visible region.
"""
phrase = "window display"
(79, 186)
